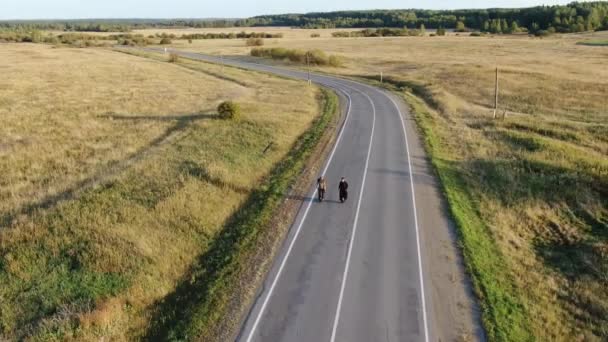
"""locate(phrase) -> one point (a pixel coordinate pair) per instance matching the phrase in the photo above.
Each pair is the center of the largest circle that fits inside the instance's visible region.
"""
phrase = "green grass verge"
(202, 300)
(504, 315)
(593, 43)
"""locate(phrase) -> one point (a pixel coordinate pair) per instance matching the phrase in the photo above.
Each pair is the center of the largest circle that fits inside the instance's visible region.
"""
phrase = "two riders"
(322, 187)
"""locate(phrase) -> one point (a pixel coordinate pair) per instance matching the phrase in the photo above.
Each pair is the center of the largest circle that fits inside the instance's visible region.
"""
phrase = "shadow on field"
(511, 181)
(584, 263)
(573, 244)
(172, 315)
(171, 133)
(199, 172)
(181, 119)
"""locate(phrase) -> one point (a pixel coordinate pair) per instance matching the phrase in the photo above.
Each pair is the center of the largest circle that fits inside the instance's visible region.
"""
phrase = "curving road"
(358, 271)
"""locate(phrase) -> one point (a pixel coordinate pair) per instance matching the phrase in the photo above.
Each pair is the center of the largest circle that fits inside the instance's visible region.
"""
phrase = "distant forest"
(574, 17)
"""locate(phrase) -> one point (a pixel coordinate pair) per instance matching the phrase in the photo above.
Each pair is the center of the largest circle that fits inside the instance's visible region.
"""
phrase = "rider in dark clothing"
(343, 187)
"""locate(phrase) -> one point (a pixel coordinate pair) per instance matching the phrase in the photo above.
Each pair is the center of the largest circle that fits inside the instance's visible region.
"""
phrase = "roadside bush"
(297, 56)
(336, 61)
(340, 34)
(126, 42)
(542, 33)
(51, 40)
(381, 32)
(315, 57)
(165, 41)
(440, 31)
(460, 27)
(278, 53)
(258, 52)
(254, 41)
(229, 110)
(315, 35)
(173, 58)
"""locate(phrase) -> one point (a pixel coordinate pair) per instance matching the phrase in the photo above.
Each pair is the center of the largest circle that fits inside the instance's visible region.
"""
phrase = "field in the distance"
(117, 175)
(537, 182)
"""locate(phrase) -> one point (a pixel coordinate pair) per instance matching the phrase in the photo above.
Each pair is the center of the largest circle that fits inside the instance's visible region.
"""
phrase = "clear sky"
(64, 9)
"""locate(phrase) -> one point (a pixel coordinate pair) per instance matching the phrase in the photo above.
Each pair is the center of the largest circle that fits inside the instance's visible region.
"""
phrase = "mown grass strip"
(202, 299)
(593, 43)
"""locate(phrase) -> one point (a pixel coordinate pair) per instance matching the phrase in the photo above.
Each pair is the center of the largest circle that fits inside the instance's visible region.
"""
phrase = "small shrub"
(475, 34)
(460, 27)
(254, 41)
(317, 57)
(165, 41)
(173, 58)
(440, 31)
(340, 34)
(542, 33)
(315, 35)
(229, 110)
(335, 61)
(279, 53)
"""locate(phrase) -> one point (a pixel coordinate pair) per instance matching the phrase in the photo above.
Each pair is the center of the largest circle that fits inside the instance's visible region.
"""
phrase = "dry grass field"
(112, 163)
(287, 32)
(536, 182)
(117, 175)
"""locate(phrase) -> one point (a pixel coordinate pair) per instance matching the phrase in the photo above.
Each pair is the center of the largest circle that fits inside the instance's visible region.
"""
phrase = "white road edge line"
(352, 238)
(299, 228)
(409, 162)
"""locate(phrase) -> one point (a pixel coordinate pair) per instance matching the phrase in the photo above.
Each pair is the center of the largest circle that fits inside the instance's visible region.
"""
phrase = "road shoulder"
(454, 310)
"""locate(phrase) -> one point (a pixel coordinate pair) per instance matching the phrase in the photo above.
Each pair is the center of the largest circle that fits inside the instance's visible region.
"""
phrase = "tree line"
(574, 17)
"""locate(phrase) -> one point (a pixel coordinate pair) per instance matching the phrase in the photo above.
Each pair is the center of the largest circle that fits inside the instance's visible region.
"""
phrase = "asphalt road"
(354, 271)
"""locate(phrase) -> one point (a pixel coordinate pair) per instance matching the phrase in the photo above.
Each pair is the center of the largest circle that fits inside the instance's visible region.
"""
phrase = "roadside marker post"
(496, 93)
(308, 67)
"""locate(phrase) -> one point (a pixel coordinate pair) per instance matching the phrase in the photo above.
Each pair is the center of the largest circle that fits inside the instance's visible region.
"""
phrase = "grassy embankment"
(529, 192)
(117, 178)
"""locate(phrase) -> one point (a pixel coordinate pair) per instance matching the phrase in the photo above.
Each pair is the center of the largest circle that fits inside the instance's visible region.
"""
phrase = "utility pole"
(496, 93)
(308, 66)
(380, 76)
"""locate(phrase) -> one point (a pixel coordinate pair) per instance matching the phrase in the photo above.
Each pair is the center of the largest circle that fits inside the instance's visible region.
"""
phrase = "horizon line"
(262, 15)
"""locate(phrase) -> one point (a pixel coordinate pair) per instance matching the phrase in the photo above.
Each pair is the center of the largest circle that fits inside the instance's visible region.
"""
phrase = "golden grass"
(538, 178)
(60, 129)
(116, 176)
(286, 31)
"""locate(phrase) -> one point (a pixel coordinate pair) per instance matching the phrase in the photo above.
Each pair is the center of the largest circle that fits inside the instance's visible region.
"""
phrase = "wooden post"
(308, 67)
(496, 93)
(380, 76)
